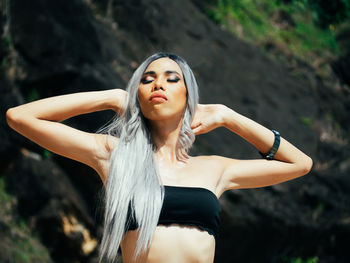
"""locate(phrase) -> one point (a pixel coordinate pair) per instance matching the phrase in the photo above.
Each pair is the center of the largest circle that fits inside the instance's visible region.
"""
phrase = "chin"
(157, 117)
(162, 116)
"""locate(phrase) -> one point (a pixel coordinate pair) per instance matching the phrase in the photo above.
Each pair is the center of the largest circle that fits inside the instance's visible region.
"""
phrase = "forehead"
(163, 64)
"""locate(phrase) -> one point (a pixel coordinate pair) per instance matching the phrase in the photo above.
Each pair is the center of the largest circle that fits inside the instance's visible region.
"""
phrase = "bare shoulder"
(216, 160)
(204, 162)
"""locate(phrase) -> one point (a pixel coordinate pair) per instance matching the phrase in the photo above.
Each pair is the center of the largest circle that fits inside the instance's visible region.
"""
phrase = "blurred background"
(282, 63)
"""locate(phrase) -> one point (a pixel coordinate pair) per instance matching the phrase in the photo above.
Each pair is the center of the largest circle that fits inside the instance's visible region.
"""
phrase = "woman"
(161, 204)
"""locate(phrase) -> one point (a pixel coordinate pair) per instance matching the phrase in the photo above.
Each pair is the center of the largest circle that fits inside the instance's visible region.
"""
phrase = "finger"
(197, 130)
(195, 125)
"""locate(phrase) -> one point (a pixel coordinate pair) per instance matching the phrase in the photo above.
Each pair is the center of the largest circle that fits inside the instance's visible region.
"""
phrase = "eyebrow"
(166, 72)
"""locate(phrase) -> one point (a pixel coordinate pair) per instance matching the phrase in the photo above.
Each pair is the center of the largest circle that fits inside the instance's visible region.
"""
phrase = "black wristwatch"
(273, 150)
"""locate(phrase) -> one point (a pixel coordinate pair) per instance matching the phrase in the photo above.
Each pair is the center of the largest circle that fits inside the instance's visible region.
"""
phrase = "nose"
(158, 84)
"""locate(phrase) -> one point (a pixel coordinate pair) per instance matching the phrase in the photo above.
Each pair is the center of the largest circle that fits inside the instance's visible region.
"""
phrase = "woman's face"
(162, 90)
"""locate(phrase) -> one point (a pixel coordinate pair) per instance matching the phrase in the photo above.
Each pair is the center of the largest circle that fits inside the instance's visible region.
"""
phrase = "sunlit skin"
(163, 76)
(179, 243)
(40, 121)
(174, 243)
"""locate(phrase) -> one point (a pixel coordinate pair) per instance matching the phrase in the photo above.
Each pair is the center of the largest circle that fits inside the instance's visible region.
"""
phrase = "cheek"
(141, 99)
(141, 95)
(184, 93)
(181, 90)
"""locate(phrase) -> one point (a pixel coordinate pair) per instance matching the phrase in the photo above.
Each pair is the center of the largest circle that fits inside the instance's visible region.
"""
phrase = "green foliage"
(27, 250)
(4, 196)
(3, 62)
(330, 12)
(320, 208)
(306, 121)
(332, 120)
(20, 245)
(300, 260)
(33, 95)
(7, 41)
(4, 50)
(252, 20)
(46, 154)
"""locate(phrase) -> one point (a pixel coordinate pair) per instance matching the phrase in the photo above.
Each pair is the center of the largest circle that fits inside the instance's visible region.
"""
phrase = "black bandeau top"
(193, 206)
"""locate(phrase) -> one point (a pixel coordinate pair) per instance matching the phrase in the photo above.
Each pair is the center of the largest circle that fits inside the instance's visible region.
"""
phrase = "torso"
(179, 243)
(172, 244)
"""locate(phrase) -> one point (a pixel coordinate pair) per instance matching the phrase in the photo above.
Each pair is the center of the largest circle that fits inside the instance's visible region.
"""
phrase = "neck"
(165, 134)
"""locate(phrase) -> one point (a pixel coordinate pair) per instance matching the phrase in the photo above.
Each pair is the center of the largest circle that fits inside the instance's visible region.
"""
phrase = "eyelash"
(149, 81)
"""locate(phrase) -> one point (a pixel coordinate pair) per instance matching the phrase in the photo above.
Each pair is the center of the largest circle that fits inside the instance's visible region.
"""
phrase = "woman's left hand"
(207, 117)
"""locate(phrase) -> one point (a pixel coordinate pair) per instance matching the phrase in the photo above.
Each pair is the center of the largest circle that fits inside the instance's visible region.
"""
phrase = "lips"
(158, 95)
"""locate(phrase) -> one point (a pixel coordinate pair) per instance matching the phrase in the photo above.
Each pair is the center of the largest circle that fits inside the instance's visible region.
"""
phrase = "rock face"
(341, 68)
(51, 205)
(60, 47)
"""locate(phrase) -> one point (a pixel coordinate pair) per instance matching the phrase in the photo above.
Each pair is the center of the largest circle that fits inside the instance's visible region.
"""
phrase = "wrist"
(227, 116)
(115, 99)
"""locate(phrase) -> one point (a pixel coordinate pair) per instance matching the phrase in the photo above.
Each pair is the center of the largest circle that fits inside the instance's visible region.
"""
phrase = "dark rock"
(341, 65)
(283, 20)
(65, 32)
(69, 38)
(64, 47)
(9, 138)
(341, 68)
(343, 39)
(47, 199)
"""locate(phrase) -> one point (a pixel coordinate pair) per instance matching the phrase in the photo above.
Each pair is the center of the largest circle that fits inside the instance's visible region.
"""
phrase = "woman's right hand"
(118, 100)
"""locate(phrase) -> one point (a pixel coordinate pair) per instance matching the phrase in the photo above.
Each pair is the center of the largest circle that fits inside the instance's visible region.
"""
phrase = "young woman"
(161, 205)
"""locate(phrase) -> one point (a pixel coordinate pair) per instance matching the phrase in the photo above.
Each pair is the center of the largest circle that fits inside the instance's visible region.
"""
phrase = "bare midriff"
(172, 244)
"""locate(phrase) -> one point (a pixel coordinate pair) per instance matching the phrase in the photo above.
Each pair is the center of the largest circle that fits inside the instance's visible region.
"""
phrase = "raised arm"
(40, 120)
(289, 162)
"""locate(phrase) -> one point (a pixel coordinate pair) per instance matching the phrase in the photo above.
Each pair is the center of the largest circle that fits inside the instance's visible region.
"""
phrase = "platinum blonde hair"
(133, 180)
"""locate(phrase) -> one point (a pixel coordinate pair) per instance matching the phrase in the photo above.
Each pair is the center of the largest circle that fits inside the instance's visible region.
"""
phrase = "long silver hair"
(133, 180)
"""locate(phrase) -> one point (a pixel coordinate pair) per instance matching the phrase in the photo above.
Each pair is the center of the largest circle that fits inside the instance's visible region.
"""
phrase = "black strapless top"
(193, 206)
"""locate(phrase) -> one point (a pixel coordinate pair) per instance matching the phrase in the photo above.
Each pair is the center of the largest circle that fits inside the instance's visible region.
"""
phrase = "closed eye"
(173, 80)
(145, 81)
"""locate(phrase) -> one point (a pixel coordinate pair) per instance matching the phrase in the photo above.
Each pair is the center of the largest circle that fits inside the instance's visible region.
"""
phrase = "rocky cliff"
(55, 47)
